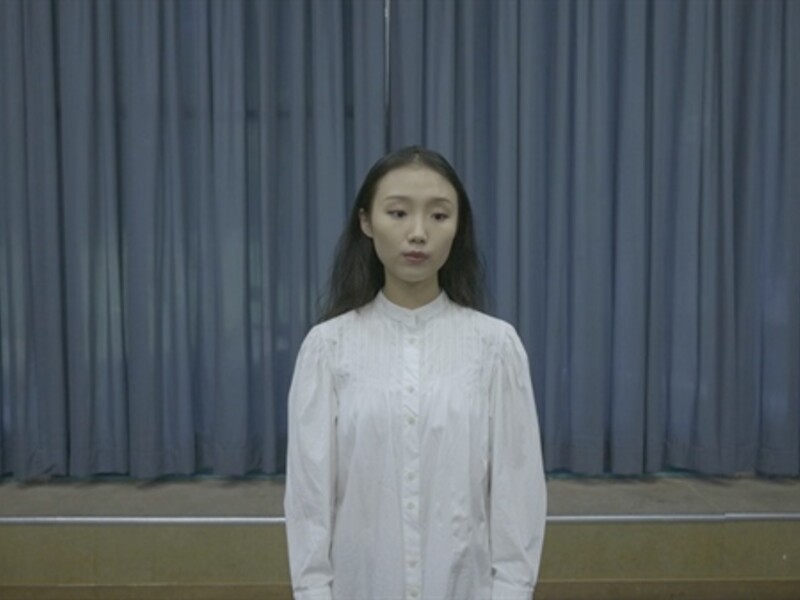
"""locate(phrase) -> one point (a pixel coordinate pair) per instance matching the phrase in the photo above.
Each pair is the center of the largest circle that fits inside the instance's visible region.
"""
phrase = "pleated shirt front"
(414, 465)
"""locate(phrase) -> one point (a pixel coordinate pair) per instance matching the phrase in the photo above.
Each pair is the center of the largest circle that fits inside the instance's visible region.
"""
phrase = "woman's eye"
(397, 214)
(441, 216)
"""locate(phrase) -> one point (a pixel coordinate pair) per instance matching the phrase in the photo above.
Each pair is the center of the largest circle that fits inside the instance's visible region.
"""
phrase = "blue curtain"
(634, 167)
(173, 177)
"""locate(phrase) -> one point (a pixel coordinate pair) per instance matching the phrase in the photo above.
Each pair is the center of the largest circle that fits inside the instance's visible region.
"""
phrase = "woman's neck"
(411, 295)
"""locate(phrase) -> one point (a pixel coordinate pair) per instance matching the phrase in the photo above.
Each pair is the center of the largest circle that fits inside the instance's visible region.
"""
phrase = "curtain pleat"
(174, 176)
(628, 162)
(33, 396)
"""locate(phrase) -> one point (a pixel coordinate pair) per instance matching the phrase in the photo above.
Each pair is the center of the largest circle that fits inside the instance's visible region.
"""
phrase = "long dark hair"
(358, 274)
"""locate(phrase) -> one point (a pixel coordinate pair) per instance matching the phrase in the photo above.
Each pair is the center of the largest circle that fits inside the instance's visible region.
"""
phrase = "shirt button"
(414, 593)
(410, 476)
(412, 563)
(411, 421)
(412, 340)
(410, 506)
(410, 389)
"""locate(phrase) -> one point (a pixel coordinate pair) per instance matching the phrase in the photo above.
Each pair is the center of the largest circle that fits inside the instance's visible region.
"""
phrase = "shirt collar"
(413, 316)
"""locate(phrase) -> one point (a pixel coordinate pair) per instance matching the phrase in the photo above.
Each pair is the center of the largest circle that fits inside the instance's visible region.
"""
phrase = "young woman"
(414, 465)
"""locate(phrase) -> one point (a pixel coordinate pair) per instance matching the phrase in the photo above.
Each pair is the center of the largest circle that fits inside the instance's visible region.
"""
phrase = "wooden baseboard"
(547, 590)
(701, 589)
(147, 592)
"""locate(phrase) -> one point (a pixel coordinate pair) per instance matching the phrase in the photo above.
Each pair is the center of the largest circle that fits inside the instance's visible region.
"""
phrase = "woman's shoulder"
(488, 325)
(329, 330)
(499, 338)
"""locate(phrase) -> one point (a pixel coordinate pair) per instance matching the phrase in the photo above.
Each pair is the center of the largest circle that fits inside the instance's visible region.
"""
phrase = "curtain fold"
(33, 397)
(174, 175)
(628, 162)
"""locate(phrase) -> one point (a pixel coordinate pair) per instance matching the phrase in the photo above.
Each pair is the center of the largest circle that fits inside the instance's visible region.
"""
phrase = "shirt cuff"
(506, 591)
(320, 593)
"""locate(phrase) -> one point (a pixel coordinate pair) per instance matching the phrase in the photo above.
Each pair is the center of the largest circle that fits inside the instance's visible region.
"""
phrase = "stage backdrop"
(174, 175)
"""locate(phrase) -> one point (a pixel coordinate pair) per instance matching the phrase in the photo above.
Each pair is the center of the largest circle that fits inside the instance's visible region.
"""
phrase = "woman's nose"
(418, 234)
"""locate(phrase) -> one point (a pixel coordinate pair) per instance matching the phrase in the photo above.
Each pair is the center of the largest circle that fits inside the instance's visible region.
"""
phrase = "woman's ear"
(363, 218)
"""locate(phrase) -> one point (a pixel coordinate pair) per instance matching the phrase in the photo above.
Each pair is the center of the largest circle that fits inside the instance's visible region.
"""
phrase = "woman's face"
(412, 223)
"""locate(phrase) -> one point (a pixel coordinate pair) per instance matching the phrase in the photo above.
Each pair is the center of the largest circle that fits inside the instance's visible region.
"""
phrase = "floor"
(653, 538)
(569, 498)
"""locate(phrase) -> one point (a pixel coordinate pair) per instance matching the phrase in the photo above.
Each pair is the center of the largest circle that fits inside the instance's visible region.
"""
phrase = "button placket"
(410, 480)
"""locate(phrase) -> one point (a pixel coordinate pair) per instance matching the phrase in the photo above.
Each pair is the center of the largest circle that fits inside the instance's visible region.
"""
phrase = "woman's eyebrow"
(431, 200)
(441, 200)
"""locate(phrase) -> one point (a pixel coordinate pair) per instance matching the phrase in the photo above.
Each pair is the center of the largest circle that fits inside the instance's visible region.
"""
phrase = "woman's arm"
(517, 495)
(311, 471)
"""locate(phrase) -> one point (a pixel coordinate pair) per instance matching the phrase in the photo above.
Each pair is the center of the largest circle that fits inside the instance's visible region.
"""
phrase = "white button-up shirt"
(414, 466)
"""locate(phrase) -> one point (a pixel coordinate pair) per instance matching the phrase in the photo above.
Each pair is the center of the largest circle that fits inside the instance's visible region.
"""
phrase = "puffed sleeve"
(518, 498)
(310, 470)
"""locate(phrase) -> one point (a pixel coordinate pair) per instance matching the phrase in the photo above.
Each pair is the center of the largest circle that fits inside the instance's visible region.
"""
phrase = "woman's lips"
(415, 257)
